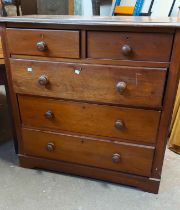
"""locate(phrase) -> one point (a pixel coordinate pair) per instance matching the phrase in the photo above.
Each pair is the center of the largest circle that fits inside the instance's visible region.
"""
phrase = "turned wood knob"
(121, 86)
(41, 46)
(116, 158)
(126, 50)
(43, 80)
(119, 124)
(50, 147)
(49, 115)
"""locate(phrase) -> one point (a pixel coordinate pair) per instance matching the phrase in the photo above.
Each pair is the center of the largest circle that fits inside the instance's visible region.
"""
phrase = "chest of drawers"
(93, 97)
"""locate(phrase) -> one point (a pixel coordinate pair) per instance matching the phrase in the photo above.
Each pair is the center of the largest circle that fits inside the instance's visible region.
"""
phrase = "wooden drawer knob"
(116, 158)
(119, 124)
(49, 115)
(50, 147)
(41, 46)
(43, 80)
(126, 50)
(121, 86)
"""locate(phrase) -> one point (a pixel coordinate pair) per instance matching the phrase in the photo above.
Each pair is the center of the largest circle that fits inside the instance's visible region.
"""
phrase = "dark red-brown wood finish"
(93, 96)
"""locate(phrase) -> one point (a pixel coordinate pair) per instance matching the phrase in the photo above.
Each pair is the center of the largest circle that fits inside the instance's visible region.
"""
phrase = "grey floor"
(27, 189)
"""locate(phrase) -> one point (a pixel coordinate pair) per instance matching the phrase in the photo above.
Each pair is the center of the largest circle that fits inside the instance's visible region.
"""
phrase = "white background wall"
(160, 8)
(87, 7)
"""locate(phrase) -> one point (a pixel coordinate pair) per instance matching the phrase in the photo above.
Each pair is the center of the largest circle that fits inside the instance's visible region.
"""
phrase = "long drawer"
(123, 157)
(50, 43)
(125, 123)
(129, 46)
(109, 84)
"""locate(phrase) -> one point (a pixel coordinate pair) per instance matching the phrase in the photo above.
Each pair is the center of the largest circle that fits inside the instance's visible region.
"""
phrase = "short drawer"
(129, 158)
(100, 120)
(97, 83)
(50, 43)
(129, 46)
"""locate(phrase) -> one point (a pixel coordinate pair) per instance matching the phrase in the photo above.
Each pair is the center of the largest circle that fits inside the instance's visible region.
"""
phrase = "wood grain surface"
(144, 46)
(115, 21)
(90, 118)
(1, 53)
(144, 86)
(60, 43)
(79, 149)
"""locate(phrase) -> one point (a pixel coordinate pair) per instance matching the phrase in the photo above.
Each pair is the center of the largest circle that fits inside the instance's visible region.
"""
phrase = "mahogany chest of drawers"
(93, 97)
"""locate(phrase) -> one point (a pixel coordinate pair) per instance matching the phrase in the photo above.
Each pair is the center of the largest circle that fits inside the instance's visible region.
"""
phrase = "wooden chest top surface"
(96, 20)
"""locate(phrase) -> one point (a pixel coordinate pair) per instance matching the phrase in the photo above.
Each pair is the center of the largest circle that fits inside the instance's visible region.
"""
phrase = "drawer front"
(123, 157)
(129, 46)
(51, 43)
(125, 123)
(117, 85)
